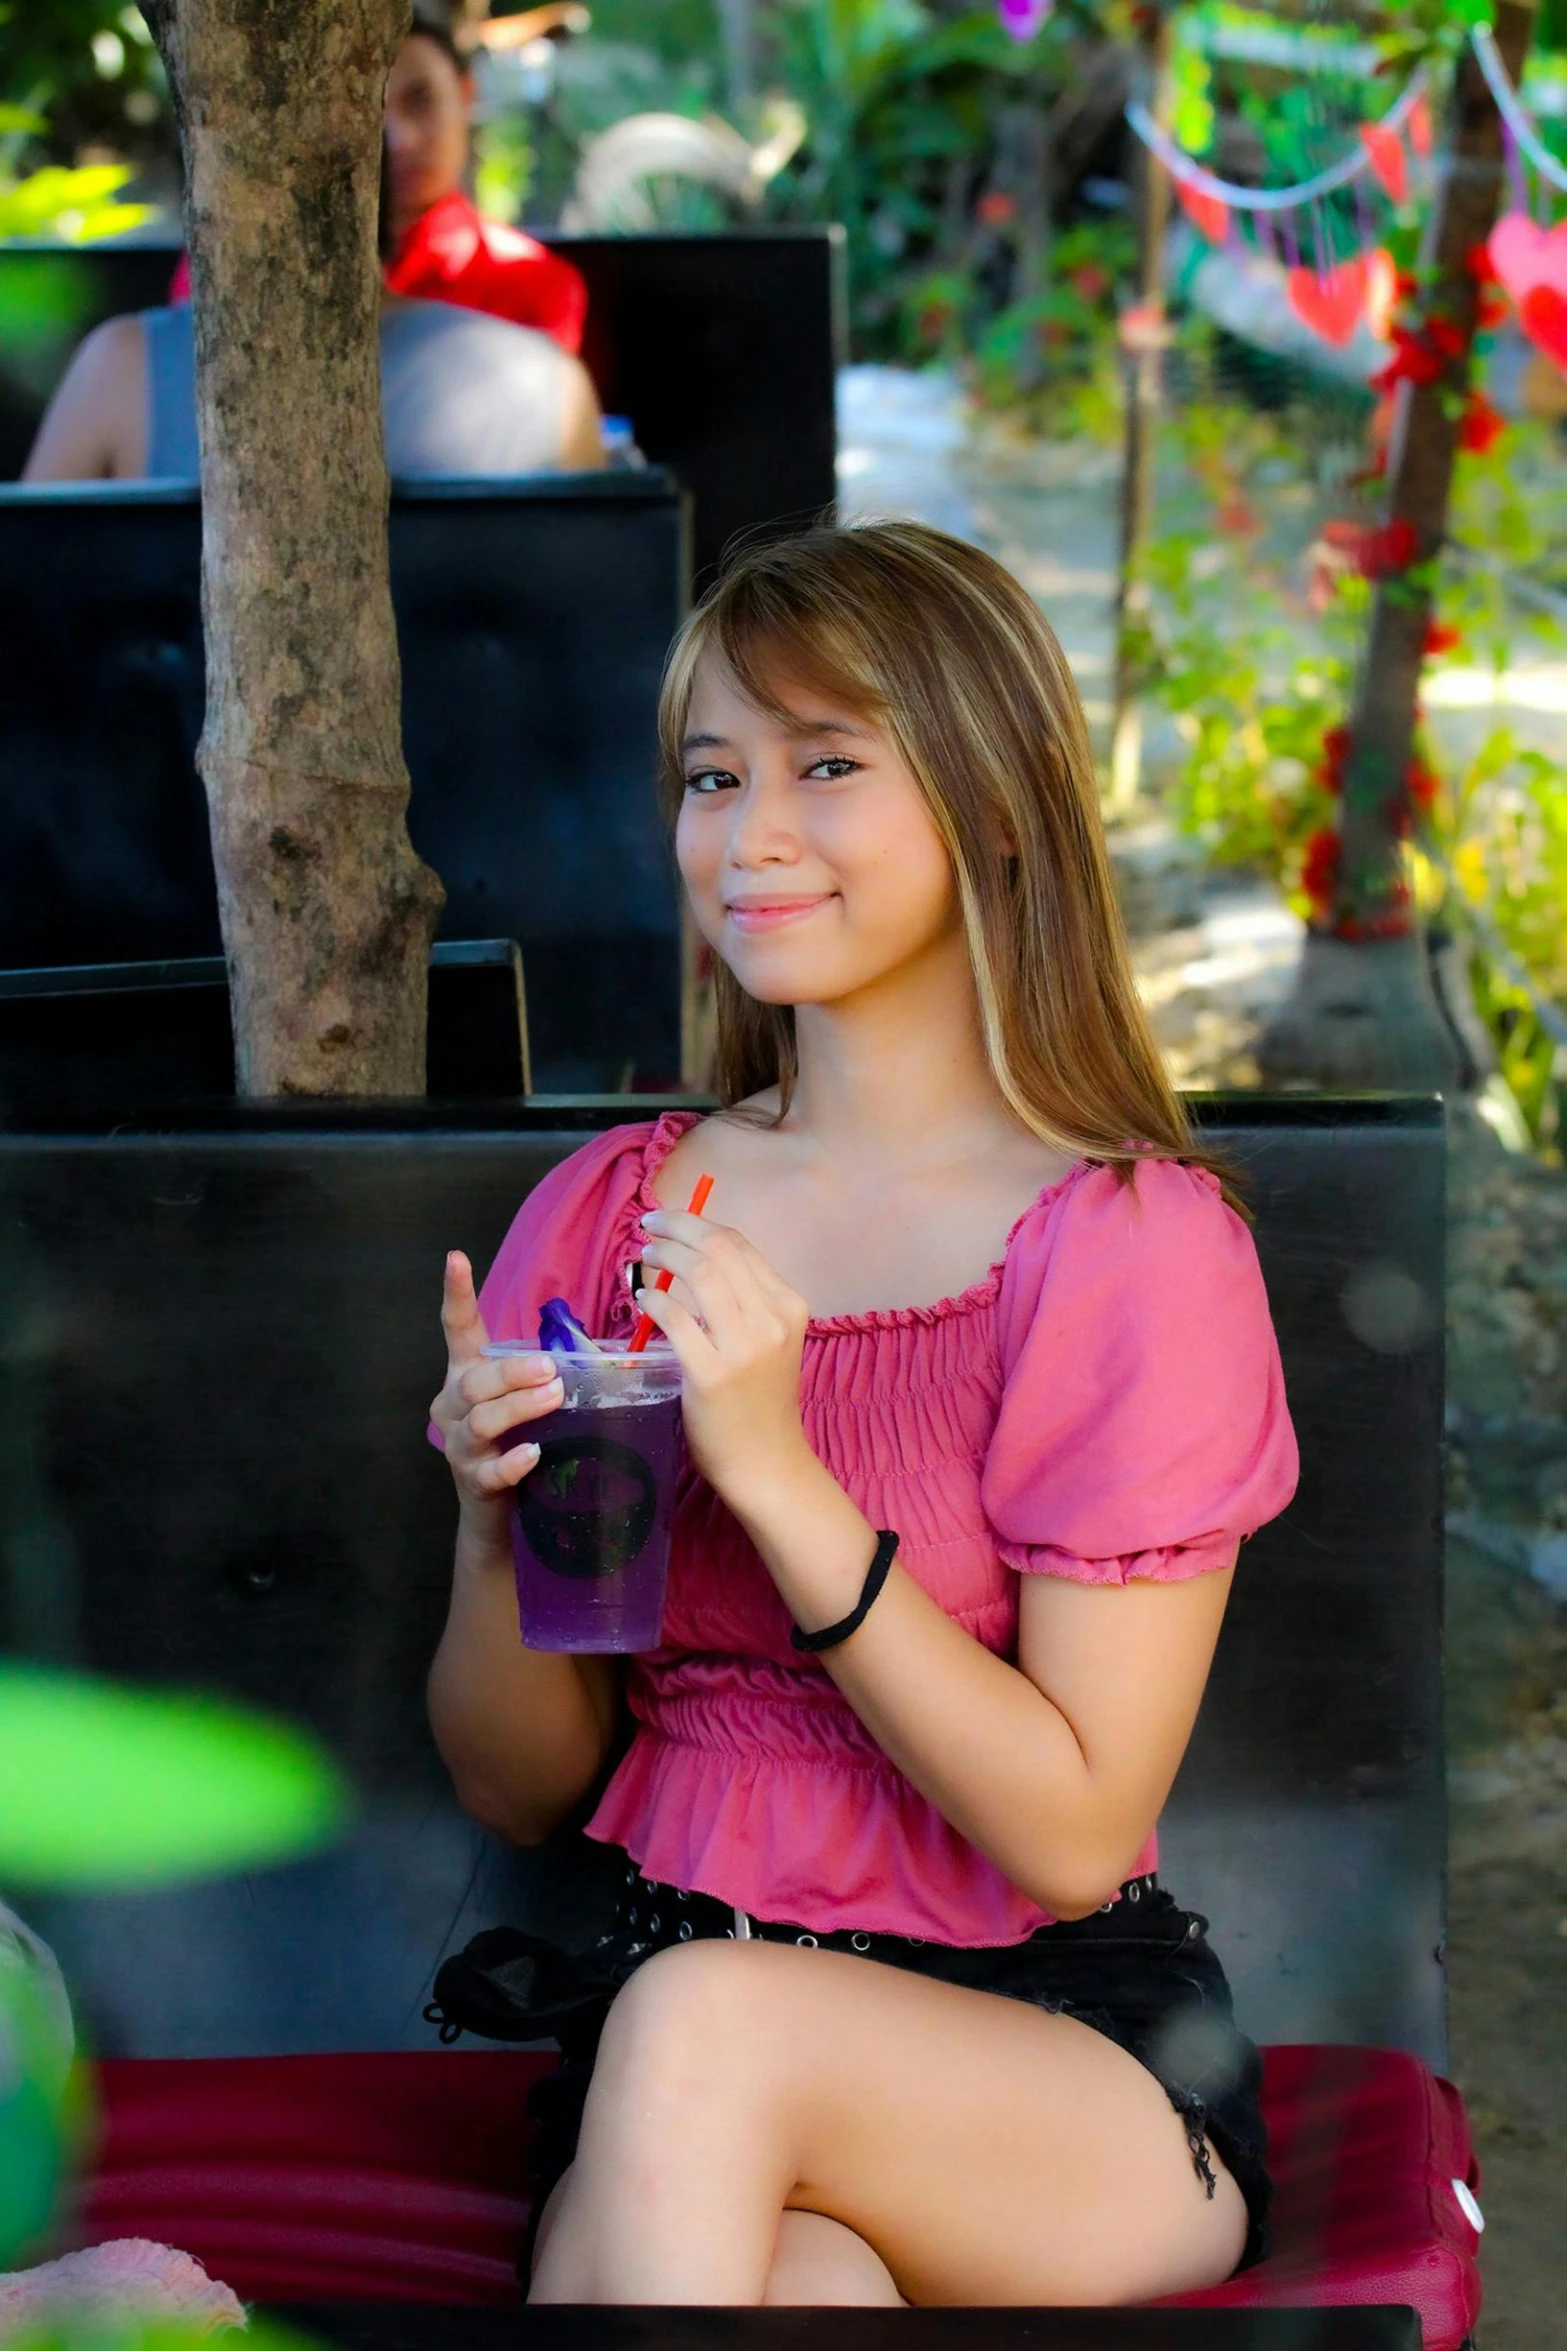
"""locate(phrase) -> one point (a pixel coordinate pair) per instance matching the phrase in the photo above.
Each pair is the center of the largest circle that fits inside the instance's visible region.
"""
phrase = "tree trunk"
(327, 913)
(1144, 375)
(1363, 1010)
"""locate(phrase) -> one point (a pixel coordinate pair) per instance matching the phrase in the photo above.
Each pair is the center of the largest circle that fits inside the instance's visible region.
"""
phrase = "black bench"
(722, 350)
(284, 1536)
(533, 619)
(145, 1034)
(1308, 1819)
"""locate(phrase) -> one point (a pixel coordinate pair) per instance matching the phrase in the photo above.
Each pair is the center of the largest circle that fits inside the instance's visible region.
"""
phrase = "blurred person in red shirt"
(442, 247)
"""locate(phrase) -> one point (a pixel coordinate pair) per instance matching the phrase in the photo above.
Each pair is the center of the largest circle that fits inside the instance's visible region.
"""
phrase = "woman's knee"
(694, 2014)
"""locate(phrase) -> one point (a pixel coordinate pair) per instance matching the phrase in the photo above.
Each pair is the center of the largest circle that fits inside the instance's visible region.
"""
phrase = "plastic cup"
(591, 1522)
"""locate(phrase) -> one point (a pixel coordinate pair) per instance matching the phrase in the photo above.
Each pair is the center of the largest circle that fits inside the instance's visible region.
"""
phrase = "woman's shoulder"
(620, 1164)
(572, 1235)
(1109, 1238)
(685, 1144)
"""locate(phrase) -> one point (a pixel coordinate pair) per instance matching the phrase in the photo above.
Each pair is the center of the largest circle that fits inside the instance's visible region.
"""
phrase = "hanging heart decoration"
(1543, 316)
(1524, 255)
(1333, 303)
(1386, 151)
(1531, 263)
(1208, 213)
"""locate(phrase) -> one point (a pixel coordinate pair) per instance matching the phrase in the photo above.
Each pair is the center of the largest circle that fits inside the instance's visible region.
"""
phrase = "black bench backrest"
(722, 350)
(141, 1035)
(219, 1350)
(533, 619)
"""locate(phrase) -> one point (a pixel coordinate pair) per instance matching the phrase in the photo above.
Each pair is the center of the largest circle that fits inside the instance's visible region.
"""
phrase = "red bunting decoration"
(1334, 303)
(1420, 125)
(1388, 160)
(1208, 213)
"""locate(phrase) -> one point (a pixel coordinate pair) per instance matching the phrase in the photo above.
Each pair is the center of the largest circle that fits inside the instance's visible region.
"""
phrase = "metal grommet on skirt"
(809, 1940)
(860, 1942)
(685, 1930)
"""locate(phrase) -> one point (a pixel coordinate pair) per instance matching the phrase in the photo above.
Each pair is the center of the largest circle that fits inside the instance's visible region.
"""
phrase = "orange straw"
(646, 1326)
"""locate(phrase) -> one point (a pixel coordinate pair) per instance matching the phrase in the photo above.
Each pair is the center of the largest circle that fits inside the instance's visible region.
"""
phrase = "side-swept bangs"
(936, 644)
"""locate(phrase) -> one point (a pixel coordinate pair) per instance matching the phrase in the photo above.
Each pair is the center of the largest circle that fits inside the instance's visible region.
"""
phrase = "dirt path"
(1214, 952)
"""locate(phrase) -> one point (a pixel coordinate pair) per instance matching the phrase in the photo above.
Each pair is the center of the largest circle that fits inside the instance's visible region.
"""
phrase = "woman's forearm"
(523, 1732)
(978, 1739)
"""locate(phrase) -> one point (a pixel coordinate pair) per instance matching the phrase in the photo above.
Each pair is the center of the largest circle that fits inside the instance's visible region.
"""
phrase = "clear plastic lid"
(609, 1376)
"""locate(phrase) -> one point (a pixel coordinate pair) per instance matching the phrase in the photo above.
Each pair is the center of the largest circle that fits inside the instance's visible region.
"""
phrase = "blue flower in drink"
(560, 1333)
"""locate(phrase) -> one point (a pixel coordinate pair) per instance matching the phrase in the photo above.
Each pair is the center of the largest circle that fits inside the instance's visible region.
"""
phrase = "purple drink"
(590, 1531)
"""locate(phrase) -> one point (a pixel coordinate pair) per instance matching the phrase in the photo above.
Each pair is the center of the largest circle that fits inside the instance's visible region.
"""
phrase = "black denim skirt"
(1139, 1970)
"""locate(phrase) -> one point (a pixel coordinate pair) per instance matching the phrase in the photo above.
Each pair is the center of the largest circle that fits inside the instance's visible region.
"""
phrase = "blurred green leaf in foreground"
(92, 2329)
(103, 1787)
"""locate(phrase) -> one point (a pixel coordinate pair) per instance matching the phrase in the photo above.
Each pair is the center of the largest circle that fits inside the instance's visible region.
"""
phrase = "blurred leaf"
(78, 204)
(95, 2329)
(104, 1787)
(32, 2139)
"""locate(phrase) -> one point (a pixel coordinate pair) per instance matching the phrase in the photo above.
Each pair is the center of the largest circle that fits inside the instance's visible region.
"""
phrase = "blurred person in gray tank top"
(461, 394)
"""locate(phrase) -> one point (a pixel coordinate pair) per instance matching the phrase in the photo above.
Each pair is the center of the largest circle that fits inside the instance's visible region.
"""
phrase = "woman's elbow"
(1081, 1884)
(492, 1809)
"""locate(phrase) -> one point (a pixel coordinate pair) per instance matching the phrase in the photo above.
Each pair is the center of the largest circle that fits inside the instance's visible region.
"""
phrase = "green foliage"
(1224, 651)
(1503, 881)
(1257, 618)
(95, 2328)
(88, 66)
(79, 206)
(102, 1787)
(914, 120)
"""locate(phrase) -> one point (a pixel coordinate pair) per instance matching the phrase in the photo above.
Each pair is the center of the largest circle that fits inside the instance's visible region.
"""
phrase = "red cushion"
(351, 2178)
(400, 2178)
(1364, 2145)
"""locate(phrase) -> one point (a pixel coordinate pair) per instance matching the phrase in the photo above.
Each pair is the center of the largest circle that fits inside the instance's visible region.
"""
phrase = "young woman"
(905, 2013)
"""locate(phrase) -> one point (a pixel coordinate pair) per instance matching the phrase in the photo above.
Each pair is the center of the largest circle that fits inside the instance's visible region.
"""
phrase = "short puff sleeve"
(1143, 1429)
(572, 1238)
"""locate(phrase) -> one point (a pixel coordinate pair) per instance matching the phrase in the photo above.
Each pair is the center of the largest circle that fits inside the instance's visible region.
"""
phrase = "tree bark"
(1363, 1010)
(327, 913)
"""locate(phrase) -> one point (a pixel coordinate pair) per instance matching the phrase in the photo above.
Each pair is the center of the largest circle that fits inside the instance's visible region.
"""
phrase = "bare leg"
(819, 2261)
(985, 2151)
(815, 2261)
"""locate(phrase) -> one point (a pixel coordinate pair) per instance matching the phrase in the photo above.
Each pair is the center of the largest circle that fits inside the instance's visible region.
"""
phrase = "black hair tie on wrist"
(876, 1576)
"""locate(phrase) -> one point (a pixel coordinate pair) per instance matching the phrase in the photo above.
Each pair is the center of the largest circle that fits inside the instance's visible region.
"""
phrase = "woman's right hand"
(482, 1399)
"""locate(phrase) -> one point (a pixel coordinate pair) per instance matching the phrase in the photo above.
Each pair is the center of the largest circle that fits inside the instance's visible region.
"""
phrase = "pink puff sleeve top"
(1106, 1403)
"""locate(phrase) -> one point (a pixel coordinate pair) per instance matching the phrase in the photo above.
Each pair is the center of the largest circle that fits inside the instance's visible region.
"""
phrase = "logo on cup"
(587, 1508)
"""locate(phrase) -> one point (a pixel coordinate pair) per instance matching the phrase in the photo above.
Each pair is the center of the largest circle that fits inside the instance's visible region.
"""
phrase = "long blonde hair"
(934, 642)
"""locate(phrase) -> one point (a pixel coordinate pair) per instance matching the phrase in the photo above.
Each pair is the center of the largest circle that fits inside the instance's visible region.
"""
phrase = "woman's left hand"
(739, 1331)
